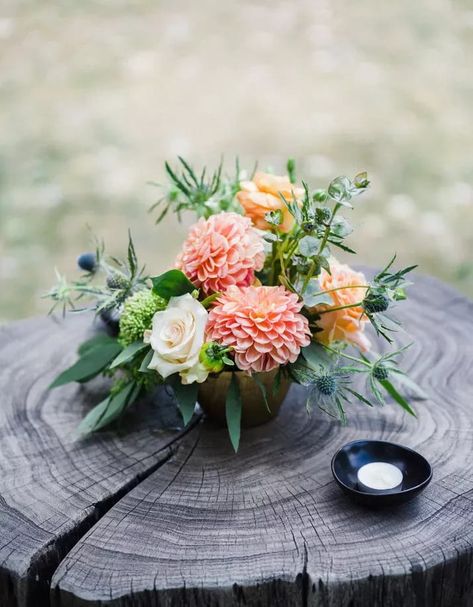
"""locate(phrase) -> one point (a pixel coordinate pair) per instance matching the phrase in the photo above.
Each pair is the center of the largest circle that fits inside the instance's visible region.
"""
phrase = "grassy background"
(94, 95)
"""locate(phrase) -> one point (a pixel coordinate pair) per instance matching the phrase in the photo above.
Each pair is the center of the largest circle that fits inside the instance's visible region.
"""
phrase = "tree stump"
(267, 526)
(53, 488)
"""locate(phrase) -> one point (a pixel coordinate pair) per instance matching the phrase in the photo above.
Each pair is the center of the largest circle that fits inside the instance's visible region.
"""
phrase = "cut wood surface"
(269, 526)
(53, 487)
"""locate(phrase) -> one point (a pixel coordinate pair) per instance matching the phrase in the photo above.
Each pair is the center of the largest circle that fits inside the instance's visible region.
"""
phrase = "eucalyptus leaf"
(309, 246)
(316, 355)
(95, 360)
(186, 396)
(341, 227)
(314, 296)
(109, 409)
(98, 340)
(128, 353)
(340, 191)
(324, 263)
(233, 412)
(262, 387)
(172, 284)
(302, 373)
(271, 237)
(146, 361)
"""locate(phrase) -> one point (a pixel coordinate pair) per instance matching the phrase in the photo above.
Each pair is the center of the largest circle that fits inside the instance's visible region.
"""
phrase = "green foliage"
(128, 353)
(203, 193)
(386, 288)
(314, 296)
(137, 315)
(94, 358)
(233, 412)
(101, 339)
(319, 369)
(122, 280)
(309, 246)
(186, 397)
(291, 170)
(172, 284)
(146, 361)
(109, 409)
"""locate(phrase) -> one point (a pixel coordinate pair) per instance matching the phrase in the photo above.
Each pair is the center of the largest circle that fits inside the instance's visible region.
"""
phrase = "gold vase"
(213, 393)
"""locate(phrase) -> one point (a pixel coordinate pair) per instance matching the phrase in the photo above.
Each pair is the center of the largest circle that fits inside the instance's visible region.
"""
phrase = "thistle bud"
(87, 262)
(326, 384)
(375, 301)
(117, 281)
(380, 372)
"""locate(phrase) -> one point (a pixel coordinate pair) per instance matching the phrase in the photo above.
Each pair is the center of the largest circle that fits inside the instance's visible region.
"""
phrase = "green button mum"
(137, 315)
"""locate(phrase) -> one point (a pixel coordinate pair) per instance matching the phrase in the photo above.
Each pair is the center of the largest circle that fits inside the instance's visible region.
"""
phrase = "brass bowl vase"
(213, 393)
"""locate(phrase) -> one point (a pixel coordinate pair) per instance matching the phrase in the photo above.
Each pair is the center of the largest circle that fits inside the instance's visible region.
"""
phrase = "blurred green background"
(94, 95)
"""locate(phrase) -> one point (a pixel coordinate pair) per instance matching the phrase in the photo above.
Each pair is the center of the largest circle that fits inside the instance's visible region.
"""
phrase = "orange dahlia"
(261, 324)
(222, 251)
(262, 195)
(347, 324)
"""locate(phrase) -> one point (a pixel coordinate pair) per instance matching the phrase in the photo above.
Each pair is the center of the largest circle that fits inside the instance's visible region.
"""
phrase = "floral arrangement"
(256, 289)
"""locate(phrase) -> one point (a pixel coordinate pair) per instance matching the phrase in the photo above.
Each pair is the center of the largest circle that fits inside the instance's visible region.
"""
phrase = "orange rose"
(261, 195)
(348, 324)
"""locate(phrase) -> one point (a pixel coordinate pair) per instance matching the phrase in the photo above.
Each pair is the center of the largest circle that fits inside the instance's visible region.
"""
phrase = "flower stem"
(327, 229)
(353, 358)
(342, 289)
(354, 305)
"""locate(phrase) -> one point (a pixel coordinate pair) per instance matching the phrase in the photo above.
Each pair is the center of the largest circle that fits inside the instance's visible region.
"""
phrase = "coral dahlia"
(222, 251)
(261, 324)
(347, 324)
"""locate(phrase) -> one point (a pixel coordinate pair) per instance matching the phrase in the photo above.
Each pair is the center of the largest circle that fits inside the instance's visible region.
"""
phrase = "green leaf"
(233, 412)
(360, 397)
(308, 246)
(132, 259)
(172, 284)
(342, 246)
(262, 387)
(301, 373)
(391, 390)
(402, 378)
(340, 227)
(340, 190)
(146, 360)
(210, 299)
(324, 262)
(186, 396)
(277, 382)
(89, 365)
(314, 296)
(291, 170)
(98, 340)
(109, 409)
(128, 353)
(316, 355)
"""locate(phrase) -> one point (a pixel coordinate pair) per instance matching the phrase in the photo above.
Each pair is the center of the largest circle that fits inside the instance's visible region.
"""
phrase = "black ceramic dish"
(346, 462)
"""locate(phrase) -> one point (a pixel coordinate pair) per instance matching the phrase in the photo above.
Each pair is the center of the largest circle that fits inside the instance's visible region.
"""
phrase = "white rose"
(177, 335)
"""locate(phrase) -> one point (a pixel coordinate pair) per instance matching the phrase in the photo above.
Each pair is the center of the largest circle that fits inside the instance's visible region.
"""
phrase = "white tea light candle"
(379, 476)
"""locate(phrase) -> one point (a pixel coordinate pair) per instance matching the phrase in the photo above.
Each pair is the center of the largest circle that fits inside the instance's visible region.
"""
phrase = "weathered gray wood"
(53, 488)
(270, 527)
